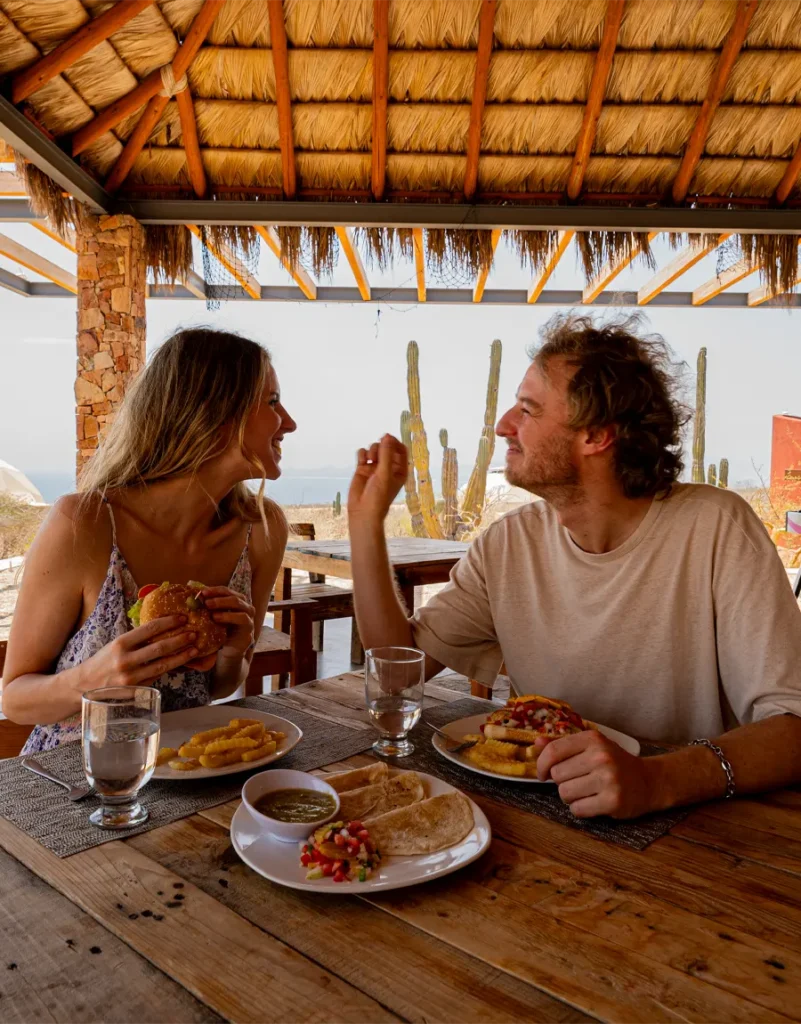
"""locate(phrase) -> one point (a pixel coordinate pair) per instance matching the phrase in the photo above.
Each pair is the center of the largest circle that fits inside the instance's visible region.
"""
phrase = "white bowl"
(284, 778)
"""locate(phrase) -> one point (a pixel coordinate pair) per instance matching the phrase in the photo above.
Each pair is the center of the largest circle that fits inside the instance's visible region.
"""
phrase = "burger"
(156, 602)
(525, 718)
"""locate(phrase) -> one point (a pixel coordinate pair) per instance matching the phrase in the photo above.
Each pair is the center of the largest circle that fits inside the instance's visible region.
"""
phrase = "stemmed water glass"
(121, 728)
(394, 682)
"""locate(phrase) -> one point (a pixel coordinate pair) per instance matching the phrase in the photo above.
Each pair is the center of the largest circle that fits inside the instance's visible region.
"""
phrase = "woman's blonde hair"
(184, 408)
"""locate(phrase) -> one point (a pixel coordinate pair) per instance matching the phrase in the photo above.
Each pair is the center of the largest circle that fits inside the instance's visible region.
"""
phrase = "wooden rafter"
(283, 95)
(789, 178)
(539, 282)
(11, 185)
(722, 282)
(610, 271)
(483, 274)
(156, 106)
(380, 93)
(717, 86)
(195, 284)
(228, 259)
(419, 262)
(300, 276)
(72, 49)
(38, 264)
(595, 96)
(345, 236)
(111, 115)
(486, 29)
(687, 258)
(194, 160)
(67, 240)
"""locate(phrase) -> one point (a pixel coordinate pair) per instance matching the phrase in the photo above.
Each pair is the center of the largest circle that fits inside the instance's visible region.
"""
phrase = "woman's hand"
(138, 657)
(380, 473)
(230, 609)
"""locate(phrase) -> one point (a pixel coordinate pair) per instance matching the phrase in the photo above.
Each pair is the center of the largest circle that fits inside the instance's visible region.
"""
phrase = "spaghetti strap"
(113, 523)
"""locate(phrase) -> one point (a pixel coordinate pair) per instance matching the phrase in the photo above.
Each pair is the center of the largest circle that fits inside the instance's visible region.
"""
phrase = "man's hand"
(380, 473)
(596, 776)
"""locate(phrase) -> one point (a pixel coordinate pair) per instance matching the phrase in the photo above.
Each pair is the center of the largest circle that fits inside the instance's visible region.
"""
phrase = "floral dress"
(181, 688)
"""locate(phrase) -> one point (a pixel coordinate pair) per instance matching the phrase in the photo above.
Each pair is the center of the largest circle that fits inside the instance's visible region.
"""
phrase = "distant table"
(416, 562)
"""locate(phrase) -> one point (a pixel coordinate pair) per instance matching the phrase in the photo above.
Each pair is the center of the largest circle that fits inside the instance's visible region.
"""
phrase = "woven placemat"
(542, 800)
(42, 810)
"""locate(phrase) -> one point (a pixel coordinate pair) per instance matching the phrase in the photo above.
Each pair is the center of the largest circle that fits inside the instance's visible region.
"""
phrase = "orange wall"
(785, 452)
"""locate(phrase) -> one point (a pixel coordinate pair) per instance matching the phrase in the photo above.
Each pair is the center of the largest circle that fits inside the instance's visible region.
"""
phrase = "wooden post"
(111, 322)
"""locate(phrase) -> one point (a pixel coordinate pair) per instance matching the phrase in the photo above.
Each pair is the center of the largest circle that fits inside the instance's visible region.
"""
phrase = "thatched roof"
(538, 84)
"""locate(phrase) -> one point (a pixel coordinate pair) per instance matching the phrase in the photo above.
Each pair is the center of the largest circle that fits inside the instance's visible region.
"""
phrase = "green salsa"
(303, 805)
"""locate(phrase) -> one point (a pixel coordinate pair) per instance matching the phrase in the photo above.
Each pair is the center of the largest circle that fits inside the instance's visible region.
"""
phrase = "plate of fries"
(202, 743)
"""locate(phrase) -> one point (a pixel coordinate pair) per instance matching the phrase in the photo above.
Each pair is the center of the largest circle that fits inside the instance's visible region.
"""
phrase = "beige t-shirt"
(687, 629)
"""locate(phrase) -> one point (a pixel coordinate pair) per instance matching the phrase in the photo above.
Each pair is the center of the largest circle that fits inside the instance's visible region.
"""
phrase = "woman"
(164, 498)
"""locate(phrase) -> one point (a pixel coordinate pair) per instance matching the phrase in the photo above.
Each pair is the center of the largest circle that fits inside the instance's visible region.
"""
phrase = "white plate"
(178, 726)
(465, 726)
(280, 862)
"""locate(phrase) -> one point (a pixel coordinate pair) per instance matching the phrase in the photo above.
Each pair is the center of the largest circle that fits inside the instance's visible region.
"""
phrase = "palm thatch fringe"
(533, 248)
(776, 258)
(382, 247)
(458, 250)
(597, 248)
(316, 248)
(47, 199)
(168, 252)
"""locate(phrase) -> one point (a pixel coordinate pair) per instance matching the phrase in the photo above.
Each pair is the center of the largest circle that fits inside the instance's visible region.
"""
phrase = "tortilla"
(386, 795)
(425, 827)
(342, 781)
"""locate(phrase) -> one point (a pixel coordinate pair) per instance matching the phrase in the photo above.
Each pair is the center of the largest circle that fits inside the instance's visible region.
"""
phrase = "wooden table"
(416, 562)
(550, 925)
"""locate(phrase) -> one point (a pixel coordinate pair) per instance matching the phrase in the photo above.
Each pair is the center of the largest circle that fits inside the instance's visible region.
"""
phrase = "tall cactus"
(712, 476)
(412, 498)
(699, 428)
(420, 444)
(476, 491)
(723, 473)
(337, 504)
(450, 487)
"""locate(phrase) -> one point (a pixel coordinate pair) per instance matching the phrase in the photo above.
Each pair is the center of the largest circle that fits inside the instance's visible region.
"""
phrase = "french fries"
(502, 758)
(243, 739)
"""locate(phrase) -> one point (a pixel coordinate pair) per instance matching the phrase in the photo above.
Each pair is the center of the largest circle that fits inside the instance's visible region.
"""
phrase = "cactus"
(412, 497)
(476, 491)
(450, 487)
(699, 428)
(712, 477)
(337, 504)
(420, 444)
(723, 473)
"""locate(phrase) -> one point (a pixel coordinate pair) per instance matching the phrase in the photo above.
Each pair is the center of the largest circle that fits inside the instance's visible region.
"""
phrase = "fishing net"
(221, 282)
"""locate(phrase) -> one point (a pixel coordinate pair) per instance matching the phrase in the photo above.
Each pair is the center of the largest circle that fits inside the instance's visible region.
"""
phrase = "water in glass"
(394, 680)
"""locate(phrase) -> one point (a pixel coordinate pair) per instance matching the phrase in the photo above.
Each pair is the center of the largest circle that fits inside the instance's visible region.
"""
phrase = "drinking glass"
(394, 680)
(121, 727)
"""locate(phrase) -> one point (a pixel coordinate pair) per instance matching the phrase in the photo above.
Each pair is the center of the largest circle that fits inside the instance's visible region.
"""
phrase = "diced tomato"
(339, 839)
(368, 846)
(328, 869)
(353, 848)
(363, 834)
(355, 826)
(305, 859)
(340, 876)
(148, 589)
(338, 865)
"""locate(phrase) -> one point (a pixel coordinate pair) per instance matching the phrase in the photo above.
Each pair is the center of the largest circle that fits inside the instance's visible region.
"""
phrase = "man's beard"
(547, 471)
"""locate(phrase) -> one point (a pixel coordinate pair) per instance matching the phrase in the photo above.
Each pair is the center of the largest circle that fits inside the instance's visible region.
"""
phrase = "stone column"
(111, 322)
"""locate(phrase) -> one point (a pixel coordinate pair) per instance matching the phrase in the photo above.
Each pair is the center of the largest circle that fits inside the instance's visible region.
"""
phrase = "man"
(658, 608)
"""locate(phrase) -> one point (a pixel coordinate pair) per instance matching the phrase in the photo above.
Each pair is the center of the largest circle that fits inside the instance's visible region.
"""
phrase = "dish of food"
(504, 740)
(296, 805)
(200, 743)
(429, 830)
(154, 602)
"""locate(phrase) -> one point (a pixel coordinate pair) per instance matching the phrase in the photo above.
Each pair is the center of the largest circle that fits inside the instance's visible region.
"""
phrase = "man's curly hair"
(627, 379)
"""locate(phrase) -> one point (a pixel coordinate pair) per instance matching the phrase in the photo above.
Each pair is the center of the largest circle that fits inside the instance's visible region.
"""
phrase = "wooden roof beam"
(595, 97)
(380, 94)
(687, 258)
(486, 29)
(419, 262)
(228, 259)
(67, 240)
(66, 53)
(11, 185)
(194, 160)
(484, 273)
(610, 271)
(717, 86)
(789, 178)
(156, 106)
(722, 282)
(298, 274)
(539, 282)
(283, 96)
(345, 236)
(38, 264)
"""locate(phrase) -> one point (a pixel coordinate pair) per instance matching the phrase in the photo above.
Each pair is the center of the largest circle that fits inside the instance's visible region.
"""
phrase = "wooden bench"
(286, 654)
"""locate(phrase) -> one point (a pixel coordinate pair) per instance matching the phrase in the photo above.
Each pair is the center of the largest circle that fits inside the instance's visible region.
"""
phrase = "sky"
(342, 368)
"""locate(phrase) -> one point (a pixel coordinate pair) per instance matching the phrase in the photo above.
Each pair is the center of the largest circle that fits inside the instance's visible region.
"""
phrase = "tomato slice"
(148, 589)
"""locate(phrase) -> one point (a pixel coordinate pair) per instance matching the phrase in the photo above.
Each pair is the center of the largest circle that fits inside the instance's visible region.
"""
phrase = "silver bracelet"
(725, 764)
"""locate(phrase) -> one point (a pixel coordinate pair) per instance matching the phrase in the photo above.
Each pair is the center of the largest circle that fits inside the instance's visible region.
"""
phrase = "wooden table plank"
(72, 969)
(426, 979)
(415, 561)
(776, 851)
(229, 964)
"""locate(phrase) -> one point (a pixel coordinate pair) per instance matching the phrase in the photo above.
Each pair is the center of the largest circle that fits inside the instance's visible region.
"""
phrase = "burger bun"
(179, 599)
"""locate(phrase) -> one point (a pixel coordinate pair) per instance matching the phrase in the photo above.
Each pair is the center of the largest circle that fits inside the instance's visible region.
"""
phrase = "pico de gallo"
(538, 714)
(342, 851)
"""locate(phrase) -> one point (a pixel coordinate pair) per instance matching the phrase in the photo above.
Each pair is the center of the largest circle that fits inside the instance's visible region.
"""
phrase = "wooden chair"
(332, 602)
(478, 689)
(285, 654)
(12, 736)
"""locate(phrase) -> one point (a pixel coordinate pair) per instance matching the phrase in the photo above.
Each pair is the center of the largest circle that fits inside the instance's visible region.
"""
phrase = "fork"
(73, 792)
(452, 750)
